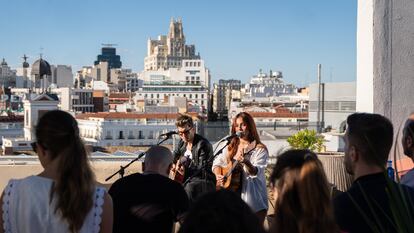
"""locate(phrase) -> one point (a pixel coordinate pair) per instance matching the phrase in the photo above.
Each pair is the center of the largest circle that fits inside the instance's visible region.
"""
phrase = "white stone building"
(125, 129)
(35, 105)
(191, 80)
(263, 85)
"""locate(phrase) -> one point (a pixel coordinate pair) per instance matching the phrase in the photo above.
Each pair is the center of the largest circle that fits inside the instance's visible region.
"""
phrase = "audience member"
(222, 211)
(302, 194)
(408, 147)
(63, 197)
(374, 203)
(149, 202)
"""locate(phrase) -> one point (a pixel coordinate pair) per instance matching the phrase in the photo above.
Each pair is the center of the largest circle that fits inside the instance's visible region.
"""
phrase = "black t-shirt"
(147, 203)
(369, 203)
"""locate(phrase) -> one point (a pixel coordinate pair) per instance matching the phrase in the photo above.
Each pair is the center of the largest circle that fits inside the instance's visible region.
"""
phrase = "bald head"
(158, 159)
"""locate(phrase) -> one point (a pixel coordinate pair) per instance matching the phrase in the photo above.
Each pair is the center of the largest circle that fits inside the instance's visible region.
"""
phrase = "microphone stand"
(121, 170)
(210, 160)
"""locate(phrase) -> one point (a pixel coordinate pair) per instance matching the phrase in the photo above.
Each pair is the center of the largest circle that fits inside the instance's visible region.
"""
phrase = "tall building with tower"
(173, 70)
(169, 51)
(7, 75)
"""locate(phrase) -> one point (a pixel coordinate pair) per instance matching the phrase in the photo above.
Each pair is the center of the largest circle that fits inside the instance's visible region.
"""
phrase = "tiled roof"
(12, 118)
(119, 95)
(279, 114)
(127, 115)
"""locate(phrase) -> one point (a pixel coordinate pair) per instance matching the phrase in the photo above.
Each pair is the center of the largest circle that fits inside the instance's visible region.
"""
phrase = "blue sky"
(235, 38)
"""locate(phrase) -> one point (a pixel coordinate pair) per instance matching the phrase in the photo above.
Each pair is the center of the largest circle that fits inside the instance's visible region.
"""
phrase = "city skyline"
(235, 39)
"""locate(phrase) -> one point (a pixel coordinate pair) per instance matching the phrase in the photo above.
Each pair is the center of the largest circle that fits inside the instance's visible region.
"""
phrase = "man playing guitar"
(191, 157)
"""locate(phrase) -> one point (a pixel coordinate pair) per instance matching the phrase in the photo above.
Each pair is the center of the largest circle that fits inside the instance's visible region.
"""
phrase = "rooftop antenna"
(109, 45)
(41, 52)
(318, 123)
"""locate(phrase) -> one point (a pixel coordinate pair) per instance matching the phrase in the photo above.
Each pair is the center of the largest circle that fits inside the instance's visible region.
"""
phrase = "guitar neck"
(237, 162)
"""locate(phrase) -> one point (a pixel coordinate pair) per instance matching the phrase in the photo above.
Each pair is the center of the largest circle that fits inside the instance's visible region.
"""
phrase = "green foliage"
(306, 139)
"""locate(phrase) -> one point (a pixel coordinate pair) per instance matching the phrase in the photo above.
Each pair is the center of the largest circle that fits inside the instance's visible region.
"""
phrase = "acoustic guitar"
(232, 173)
(178, 172)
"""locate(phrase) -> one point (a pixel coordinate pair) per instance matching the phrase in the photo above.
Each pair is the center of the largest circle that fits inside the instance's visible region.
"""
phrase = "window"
(108, 135)
(121, 135)
(131, 135)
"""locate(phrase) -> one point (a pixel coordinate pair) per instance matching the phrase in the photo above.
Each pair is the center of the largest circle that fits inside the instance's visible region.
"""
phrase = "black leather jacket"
(202, 151)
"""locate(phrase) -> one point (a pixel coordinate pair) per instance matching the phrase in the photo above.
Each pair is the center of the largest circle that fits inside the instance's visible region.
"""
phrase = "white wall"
(365, 59)
(385, 41)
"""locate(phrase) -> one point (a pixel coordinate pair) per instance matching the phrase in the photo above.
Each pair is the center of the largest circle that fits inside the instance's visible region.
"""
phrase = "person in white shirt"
(245, 156)
(64, 197)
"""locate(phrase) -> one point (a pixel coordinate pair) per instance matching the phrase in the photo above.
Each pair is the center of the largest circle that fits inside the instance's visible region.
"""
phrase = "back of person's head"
(221, 211)
(408, 137)
(58, 133)
(158, 159)
(303, 202)
(372, 135)
(184, 120)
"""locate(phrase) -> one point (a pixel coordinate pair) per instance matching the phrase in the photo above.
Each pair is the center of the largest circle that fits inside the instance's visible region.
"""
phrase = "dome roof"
(41, 67)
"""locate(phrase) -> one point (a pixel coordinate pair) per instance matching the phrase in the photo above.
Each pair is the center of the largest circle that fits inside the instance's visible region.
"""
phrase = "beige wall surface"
(102, 170)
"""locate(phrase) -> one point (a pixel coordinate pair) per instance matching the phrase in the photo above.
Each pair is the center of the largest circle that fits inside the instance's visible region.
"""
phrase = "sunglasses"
(34, 146)
(185, 132)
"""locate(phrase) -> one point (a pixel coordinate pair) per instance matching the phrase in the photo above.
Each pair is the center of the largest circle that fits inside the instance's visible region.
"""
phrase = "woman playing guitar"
(250, 157)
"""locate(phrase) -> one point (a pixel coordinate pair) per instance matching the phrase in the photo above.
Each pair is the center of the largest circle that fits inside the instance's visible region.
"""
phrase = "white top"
(27, 208)
(188, 154)
(254, 191)
(408, 178)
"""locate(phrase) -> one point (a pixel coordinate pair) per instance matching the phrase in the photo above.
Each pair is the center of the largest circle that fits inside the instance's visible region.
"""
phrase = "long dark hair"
(303, 199)
(252, 136)
(58, 133)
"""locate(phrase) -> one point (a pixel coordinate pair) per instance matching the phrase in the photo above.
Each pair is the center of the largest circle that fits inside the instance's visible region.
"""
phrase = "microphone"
(168, 134)
(229, 137)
